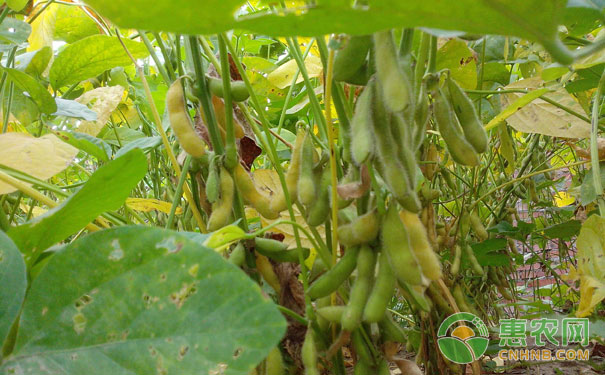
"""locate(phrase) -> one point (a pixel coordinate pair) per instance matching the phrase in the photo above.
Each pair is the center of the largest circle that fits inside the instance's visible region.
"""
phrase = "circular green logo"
(462, 344)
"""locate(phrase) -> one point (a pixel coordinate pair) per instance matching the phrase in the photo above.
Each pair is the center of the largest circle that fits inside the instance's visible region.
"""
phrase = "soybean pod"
(349, 60)
(467, 115)
(361, 230)
(279, 203)
(362, 138)
(461, 150)
(221, 209)
(382, 291)
(331, 280)
(396, 87)
(306, 182)
(309, 353)
(396, 244)
(419, 242)
(180, 121)
(366, 262)
(251, 195)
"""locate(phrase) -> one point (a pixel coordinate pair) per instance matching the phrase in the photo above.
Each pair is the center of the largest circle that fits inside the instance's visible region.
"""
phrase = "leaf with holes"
(136, 300)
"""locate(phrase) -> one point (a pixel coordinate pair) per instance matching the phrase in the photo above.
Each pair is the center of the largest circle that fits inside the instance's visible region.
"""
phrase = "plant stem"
(594, 148)
(178, 192)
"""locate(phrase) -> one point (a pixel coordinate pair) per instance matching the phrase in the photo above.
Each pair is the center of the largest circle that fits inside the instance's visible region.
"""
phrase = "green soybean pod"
(274, 364)
(238, 255)
(456, 262)
(351, 57)
(394, 174)
(396, 244)
(461, 150)
(362, 138)
(221, 209)
(383, 367)
(382, 291)
(407, 157)
(278, 204)
(395, 83)
(331, 280)
(319, 211)
(361, 349)
(470, 254)
(361, 76)
(426, 257)
(421, 116)
(268, 245)
(309, 353)
(306, 181)
(332, 314)
(467, 115)
(390, 330)
(478, 226)
(362, 368)
(212, 182)
(361, 230)
(366, 262)
(239, 91)
(291, 256)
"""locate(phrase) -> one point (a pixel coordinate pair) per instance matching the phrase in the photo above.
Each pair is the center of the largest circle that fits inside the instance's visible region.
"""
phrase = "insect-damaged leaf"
(136, 300)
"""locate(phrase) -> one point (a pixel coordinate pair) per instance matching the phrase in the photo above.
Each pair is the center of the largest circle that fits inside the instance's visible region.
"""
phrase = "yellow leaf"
(43, 27)
(36, 211)
(541, 117)
(148, 204)
(41, 157)
(303, 43)
(563, 199)
(282, 76)
(102, 100)
(223, 237)
(591, 264)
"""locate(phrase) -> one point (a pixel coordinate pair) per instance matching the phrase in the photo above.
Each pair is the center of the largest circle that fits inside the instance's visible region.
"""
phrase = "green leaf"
(73, 24)
(126, 135)
(34, 62)
(14, 31)
(38, 93)
(588, 193)
(16, 5)
(106, 190)
(87, 143)
(459, 59)
(136, 300)
(512, 17)
(489, 252)
(566, 229)
(90, 57)
(14, 283)
(72, 108)
(144, 144)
